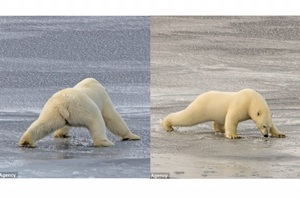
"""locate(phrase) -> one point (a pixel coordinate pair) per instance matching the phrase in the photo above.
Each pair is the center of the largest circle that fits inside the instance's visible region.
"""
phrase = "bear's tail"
(64, 112)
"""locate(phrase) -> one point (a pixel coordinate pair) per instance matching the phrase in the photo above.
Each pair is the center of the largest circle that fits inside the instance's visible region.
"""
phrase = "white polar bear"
(226, 110)
(85, 105)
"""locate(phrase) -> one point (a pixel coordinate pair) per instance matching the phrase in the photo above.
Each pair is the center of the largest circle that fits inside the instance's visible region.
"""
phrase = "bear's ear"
(258, 113)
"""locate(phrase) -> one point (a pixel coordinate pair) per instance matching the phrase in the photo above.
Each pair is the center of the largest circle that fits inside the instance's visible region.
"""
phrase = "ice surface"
(192, 55)
(41, 55)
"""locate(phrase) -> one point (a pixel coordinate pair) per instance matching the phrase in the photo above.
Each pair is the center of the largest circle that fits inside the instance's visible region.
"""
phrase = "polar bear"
(226, 110)
(88, 105)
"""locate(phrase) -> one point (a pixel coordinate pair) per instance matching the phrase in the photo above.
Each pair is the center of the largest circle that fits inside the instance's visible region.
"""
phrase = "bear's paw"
(279, 135)
(233, 136)
(26, 144)
(104, 143)
(131, 137)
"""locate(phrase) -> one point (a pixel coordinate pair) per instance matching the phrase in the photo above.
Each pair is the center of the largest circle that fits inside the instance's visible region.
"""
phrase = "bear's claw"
(26, 144)
(278, 136)
(104, 143)
(281, 136)
(168, 128)
(233, 136)
(131, 137)
(61, 136)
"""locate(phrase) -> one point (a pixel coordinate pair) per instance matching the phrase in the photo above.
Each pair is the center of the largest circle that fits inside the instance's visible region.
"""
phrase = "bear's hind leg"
(117, 125)
(63, 132)
(99, 136)
(38, 130)
(97, 131)
(187, 117)
(218, 128)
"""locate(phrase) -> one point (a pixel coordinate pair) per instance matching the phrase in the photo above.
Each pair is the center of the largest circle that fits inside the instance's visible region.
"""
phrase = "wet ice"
(41, 55)
(192, 55)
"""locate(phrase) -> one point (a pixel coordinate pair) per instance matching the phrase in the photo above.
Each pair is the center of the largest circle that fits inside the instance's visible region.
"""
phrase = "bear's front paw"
(104, 143)
(232, 136)
(279, 135)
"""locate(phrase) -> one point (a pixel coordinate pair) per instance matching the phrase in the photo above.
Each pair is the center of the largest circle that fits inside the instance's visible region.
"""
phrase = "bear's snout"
(266, 135)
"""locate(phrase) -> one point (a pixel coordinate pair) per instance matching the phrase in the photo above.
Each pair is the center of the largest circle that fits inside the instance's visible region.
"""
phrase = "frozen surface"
(41, 55)
(192, 55)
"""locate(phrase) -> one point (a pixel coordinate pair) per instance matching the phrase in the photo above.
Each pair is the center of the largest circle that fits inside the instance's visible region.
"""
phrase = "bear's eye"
(264, 126)
(258, 113)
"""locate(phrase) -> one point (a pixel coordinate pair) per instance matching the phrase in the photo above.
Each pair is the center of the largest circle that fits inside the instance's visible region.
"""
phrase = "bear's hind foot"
(170, 129)
(62, 133)
(103, 143)
(61, 136)
(218, 128)
(26, 144)
(167, 125)
(131, 137)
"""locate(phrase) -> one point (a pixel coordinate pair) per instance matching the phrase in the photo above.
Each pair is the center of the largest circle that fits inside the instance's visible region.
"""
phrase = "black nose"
(265, 136)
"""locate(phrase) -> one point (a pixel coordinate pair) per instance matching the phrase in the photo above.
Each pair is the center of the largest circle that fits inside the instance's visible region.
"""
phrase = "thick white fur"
(226, 110)
(85, 105)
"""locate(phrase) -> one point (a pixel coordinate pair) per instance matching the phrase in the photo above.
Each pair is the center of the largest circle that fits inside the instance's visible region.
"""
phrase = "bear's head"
(260, 113)
(263, 121)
